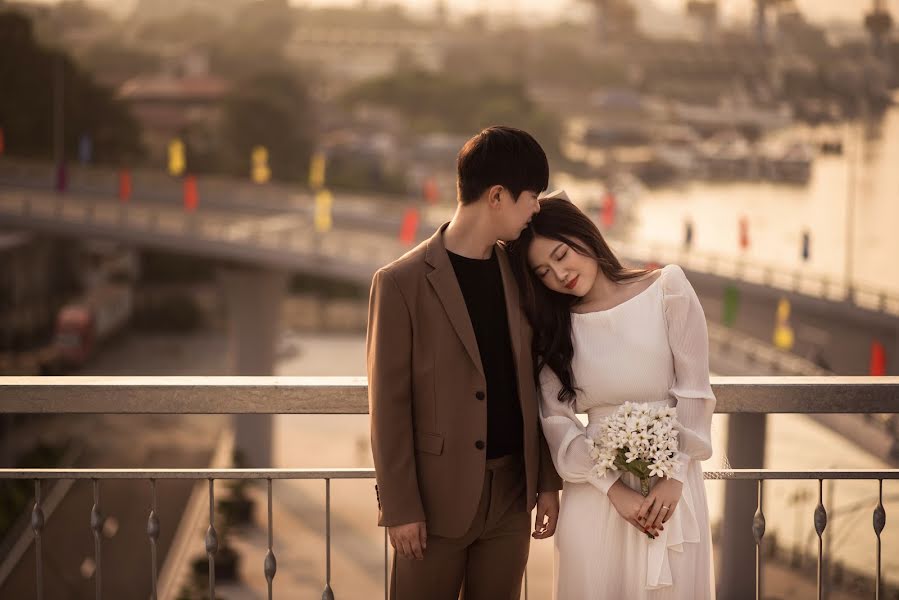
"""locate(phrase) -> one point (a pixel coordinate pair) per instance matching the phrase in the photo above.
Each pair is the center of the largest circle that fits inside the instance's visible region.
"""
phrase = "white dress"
(651, 348)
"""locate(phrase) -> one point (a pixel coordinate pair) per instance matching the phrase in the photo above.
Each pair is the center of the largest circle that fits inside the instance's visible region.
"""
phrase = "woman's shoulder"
(673, 277)
(676, 288)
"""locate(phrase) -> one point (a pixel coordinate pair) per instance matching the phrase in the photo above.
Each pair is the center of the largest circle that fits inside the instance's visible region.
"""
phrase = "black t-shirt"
(482, 287)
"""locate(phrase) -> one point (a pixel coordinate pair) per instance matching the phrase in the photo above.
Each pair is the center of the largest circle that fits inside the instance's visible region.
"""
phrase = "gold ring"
(666, 507)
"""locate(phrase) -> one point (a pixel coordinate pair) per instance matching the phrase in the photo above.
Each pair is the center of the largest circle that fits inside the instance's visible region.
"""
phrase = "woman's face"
(560, 268)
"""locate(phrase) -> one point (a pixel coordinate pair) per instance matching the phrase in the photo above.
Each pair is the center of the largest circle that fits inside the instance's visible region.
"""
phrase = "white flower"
(643, 432)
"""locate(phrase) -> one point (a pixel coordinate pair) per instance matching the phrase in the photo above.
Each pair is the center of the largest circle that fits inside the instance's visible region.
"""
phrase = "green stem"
(644, 489)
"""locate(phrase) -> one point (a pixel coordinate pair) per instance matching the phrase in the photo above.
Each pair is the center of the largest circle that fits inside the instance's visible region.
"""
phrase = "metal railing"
(301, 395)
(774, 275)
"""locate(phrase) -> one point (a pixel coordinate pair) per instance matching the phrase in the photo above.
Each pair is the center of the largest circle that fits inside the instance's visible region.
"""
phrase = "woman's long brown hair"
(549, 312)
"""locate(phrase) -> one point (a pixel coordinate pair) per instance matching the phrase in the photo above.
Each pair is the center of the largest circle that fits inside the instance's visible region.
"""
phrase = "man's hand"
(547, 515)
(409, 540)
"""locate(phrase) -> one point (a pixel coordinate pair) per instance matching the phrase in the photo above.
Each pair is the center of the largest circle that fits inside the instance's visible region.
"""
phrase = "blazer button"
(479, 445)
(479, 395)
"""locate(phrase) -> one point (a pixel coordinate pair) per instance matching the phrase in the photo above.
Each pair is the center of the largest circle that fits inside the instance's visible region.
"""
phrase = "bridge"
(269, 231)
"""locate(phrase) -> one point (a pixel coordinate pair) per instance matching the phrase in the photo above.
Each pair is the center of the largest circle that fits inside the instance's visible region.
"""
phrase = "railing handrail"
(369, 473)
(349, 395)
(736, 266)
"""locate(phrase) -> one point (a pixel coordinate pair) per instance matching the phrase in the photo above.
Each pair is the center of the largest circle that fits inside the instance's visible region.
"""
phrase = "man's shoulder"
(410, 264)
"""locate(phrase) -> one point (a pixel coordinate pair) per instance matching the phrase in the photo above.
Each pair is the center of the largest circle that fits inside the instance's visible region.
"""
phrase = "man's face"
(516, 215)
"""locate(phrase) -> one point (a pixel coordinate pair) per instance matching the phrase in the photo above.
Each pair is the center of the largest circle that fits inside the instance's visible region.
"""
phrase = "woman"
(604, 335)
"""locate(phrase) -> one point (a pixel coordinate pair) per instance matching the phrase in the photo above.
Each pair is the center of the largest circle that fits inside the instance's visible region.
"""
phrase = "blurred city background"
(205, 187)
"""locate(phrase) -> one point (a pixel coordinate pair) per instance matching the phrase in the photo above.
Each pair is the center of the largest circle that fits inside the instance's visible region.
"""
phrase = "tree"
(28, 74)
(270, 109)
(433, 102)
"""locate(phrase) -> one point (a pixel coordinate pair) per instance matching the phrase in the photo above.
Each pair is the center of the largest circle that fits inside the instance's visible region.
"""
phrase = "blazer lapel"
(521, 352)
(443, 280)
(513, 303)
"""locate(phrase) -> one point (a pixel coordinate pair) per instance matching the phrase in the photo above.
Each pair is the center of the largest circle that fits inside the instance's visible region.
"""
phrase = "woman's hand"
(660, 504)
(627, 502)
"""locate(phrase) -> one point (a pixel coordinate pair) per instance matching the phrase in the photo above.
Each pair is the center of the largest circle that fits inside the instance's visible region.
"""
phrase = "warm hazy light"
(820, 11)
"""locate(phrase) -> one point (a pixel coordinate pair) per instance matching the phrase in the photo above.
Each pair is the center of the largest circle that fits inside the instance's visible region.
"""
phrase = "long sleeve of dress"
(566, 437)
(689, 341)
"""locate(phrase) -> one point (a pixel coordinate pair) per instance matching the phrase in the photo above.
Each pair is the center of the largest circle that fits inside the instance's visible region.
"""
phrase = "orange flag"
(409, 228)
(191, 196)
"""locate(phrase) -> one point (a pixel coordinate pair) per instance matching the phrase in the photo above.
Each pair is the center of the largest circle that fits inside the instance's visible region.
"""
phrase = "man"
(459, 456)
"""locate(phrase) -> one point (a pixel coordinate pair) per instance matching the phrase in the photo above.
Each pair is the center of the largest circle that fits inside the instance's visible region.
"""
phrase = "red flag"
(431, 193)
(2, 143)
(124, 185)
(409, 228)
(878, 360)
(607, 213)
(744, 233)
(191, 197)
(62, 178)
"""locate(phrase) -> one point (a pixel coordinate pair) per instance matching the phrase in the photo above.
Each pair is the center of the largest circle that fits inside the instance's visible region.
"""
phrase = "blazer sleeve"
(548, 479)
(566, 437)
(689, 340)
(389, 362)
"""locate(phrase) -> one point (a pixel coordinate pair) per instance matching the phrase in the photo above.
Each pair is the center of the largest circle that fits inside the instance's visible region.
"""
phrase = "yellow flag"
(783, 311)
(783, 337)
(260, 172)
(783, 333)
(323, 202)
(317, 171)
(177, 161)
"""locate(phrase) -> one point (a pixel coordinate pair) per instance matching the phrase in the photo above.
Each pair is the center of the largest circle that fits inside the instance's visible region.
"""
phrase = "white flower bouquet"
(639, 439)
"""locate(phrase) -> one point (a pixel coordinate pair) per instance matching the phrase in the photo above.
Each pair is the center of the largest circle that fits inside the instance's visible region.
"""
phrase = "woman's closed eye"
(544, 272)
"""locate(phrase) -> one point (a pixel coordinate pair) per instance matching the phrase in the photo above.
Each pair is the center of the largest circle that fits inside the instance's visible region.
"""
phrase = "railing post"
(97, 527)
(758, 531)
(880, 521)
(212, 543)
(820, 524)
(328, 594)
(37, 525)
(153, 529)
(270, 566)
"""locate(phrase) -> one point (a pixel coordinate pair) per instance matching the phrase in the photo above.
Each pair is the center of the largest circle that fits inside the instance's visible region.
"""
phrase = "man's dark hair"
(502, 156)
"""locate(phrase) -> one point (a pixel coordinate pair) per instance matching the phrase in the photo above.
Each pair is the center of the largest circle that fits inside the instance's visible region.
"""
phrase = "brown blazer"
(426, 388)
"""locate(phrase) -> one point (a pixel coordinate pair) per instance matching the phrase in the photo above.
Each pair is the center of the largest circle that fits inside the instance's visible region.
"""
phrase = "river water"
(862, 182)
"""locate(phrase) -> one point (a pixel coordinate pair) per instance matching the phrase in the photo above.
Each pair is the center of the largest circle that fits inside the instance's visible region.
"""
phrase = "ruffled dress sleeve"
(566, 437)
(689, 341)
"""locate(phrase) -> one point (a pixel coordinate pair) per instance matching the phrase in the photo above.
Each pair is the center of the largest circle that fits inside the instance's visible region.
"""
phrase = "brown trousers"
(488, 562)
